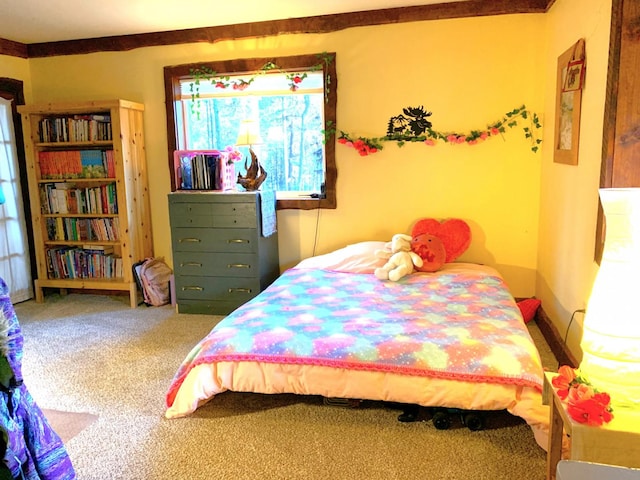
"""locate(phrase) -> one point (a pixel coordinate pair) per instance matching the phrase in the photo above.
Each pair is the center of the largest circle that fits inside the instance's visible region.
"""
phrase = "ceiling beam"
(13, 49)
(315, 24)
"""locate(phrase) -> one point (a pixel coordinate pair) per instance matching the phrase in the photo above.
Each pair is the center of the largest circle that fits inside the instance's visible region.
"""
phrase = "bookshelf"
(88, 192)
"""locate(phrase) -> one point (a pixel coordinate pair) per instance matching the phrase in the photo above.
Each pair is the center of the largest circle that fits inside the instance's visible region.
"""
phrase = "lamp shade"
(611, 333)
(249, 133)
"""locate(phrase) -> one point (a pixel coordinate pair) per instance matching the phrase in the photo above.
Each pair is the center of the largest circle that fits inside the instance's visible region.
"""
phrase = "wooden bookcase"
(88, 192)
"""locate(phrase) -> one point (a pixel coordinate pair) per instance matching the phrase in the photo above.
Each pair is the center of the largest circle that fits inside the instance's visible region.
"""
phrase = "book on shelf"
(197, 169)
(93, 164)
(110, 164)
(56, 194)
(63, 198)
(63, 164)
(72, 229)
(75, 128)
(57, 164)
(73, 263)
(103, 249)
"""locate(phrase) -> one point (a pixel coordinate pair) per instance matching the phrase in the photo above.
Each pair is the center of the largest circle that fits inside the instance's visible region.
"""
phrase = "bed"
(454, 338)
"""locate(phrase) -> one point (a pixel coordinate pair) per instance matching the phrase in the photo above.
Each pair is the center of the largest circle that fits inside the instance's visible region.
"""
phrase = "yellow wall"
(469, 72)
(531, 218)
(17, 69)
(569, 194)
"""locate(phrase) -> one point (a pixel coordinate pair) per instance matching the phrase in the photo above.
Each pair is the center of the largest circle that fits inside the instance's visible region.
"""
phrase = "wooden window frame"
(174, 74)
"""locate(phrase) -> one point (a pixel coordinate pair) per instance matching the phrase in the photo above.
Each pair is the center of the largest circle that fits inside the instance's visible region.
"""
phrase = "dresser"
(221, 259)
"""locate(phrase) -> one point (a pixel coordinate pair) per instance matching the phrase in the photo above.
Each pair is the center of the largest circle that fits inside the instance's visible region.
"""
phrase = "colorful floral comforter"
(458, 324)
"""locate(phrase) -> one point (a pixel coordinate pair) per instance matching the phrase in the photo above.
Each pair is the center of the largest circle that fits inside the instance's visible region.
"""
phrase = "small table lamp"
(249, 135)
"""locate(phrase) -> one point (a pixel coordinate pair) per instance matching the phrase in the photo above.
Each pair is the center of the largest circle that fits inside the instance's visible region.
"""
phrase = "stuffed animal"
(439, 241)
(401, 259)
(434, 242)
(431, 250)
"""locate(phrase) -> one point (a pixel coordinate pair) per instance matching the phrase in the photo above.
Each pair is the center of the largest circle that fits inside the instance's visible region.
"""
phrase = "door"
(16, 244)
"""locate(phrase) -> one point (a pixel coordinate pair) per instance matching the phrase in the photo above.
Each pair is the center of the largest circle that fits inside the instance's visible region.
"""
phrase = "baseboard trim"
(553, 338)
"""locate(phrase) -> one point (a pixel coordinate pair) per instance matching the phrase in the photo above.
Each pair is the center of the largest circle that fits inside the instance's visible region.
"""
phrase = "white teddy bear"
(401, 260)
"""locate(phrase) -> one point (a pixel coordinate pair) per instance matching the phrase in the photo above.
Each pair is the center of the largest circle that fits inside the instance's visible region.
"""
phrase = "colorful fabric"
(268, 212)
(34, 451)
(461, 326)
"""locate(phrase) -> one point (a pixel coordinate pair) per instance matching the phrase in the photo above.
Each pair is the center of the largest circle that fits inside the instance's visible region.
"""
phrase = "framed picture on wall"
(570, 80)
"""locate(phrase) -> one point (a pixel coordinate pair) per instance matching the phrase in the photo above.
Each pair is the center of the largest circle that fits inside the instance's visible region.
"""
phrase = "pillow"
(454, 233)
(356, 258)
(528, 308)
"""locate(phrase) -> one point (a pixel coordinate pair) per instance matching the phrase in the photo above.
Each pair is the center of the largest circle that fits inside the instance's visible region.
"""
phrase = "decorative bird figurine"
(255, 174)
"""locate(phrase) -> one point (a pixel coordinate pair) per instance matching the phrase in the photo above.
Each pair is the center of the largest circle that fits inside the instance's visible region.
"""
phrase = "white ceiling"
(35, 21)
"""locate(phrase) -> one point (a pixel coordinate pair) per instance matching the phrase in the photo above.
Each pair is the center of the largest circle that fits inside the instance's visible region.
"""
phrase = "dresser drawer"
(232, 240)
(216, 288)
(218, 221)
(213, 215)
(216, 264)
(209, 307)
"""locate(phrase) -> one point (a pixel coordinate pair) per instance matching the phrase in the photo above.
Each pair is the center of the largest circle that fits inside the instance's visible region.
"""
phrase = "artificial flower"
(585, 404)
(562, 381)
(233, 155)
(241, 84)
(580, 392)
(295, 79)
(593, 410)
(364, 146)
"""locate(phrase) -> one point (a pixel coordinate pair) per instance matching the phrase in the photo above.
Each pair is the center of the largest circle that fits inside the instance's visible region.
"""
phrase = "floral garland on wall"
(294, 80)
(413, 125)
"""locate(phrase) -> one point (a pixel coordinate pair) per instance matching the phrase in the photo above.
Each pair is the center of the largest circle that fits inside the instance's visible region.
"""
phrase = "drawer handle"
(192, 288)
(237, 240)
(238, 265)
(190, 264)
(189, 240)
(241, 290)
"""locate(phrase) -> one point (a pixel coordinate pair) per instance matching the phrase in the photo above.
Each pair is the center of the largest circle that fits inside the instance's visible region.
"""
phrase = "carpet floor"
(68, 424)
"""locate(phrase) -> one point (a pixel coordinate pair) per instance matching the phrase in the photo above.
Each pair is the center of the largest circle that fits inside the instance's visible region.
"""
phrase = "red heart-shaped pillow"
(454, 233)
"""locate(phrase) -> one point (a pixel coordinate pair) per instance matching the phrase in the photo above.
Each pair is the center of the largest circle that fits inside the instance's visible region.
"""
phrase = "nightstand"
(615, 443)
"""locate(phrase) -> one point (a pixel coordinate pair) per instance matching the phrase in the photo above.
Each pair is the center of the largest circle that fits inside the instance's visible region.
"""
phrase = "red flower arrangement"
(585, 404)
(364, 146)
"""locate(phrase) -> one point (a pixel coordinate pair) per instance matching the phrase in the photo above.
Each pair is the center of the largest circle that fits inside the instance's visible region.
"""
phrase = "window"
(292, 100)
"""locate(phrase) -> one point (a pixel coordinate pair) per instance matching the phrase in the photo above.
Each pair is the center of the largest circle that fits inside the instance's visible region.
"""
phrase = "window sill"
(306, 203)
